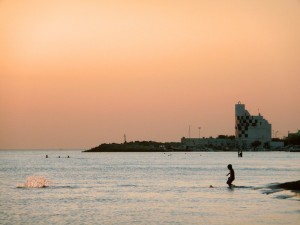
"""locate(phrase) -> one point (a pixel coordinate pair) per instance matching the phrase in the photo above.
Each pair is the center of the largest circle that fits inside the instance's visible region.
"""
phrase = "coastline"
(153, 146)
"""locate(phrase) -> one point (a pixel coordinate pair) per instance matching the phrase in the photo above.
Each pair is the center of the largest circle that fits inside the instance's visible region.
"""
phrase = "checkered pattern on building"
(242, 124)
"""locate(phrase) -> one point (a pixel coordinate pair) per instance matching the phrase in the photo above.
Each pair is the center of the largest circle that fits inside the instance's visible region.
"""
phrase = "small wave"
(284, 196)
(35, 182)
(268, 192)
(67, 186)
(233, 186)
(127, 185)
(249, 187)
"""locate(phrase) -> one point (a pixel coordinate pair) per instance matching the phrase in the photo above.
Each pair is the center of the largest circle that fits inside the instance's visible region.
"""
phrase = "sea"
(147, 188)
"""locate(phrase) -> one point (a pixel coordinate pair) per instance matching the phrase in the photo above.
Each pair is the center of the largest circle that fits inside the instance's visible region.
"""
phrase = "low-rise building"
(203, 143)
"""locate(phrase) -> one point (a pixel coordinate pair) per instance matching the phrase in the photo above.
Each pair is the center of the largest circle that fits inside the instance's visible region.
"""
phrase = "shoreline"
(170, 150)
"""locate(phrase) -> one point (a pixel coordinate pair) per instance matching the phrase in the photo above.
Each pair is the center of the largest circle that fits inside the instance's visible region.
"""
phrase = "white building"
(202, 143)
(249, 128)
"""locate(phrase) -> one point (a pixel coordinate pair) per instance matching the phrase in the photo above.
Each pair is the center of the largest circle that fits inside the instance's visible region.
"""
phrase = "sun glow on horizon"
(78, 73)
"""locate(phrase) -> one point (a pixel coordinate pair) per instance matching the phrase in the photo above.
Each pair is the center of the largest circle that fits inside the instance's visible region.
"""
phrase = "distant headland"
(138, 146)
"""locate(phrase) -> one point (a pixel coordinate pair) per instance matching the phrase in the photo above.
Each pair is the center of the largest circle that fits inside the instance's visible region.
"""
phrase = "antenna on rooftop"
(125, 138)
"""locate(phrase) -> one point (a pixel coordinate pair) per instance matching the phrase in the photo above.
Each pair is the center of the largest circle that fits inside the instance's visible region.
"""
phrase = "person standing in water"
(231, 177)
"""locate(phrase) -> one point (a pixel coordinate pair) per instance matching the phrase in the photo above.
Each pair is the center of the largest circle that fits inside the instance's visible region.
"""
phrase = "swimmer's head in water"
(229, 166)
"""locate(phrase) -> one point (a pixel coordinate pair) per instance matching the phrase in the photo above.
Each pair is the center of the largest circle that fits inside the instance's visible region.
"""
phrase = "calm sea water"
(148, 188)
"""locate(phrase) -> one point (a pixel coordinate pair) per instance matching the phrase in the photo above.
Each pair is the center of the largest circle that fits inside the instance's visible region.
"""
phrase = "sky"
(78, 73)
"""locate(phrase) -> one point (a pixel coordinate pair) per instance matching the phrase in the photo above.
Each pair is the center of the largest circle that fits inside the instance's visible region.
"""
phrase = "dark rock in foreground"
(293, 186)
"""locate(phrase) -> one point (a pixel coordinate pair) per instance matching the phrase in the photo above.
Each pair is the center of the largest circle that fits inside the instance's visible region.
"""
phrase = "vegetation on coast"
(136, 146)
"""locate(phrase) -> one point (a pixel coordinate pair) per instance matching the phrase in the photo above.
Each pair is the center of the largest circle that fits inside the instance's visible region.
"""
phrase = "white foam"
(35, 182)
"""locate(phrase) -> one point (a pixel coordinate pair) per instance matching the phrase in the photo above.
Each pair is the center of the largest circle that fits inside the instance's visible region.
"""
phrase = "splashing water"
(35, 182)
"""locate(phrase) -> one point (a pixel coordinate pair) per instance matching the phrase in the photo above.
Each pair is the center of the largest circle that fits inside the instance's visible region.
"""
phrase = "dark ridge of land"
(139, 146)
(153, 146)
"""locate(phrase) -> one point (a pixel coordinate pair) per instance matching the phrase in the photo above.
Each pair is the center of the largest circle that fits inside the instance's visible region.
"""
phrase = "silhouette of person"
(231, 177)
(46, 156)
(240, 153)
(68, 156)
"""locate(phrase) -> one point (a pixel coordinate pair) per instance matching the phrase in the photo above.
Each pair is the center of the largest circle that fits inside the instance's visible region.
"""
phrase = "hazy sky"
(75, 74)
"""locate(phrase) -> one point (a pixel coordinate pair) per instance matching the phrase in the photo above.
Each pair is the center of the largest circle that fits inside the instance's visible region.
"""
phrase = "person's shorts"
(230, 180)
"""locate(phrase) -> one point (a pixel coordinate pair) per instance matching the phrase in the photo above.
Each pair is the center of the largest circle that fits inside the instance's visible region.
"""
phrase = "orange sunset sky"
(75, 74)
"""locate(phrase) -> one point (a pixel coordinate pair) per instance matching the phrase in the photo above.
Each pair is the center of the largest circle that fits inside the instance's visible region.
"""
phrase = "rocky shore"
(293, 186)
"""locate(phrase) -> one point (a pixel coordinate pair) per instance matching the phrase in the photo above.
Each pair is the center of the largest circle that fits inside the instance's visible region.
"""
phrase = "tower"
(249, 128)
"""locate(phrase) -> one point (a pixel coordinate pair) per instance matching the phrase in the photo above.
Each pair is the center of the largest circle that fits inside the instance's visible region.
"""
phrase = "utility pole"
(199, 132)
